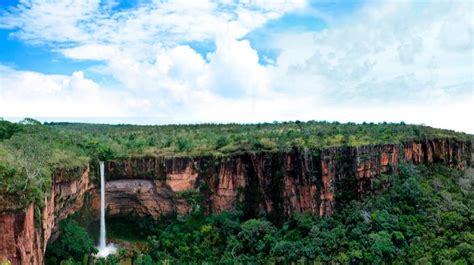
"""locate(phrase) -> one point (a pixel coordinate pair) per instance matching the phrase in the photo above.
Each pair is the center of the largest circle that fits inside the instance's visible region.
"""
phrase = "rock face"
(22, 239)
(275, 183)
(139, 196)
(19, 240)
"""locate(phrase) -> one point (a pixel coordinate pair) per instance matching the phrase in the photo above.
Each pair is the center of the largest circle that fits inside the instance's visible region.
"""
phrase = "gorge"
(235, 132)
(275, 183)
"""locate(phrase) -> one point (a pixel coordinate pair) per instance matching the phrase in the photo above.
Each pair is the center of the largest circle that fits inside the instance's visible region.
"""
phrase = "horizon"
(142, 121)
(182, 62)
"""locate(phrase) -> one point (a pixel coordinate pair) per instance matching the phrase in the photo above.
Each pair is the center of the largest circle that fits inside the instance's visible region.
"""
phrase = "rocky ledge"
(277, 184)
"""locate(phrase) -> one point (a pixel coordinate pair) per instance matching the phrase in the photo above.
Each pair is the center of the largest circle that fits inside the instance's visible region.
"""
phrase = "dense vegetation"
(427, 214)
(425, 217)
(221, 139)
(75, 244)
(31, 152)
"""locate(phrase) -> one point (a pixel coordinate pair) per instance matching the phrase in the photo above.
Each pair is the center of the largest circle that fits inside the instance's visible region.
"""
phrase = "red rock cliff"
(276, 183)
(22, 240)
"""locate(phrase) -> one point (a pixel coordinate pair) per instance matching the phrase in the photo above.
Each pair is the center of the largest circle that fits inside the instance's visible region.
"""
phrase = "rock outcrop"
(277, 184)
(23, 238)
(274, 183)
(139, 196)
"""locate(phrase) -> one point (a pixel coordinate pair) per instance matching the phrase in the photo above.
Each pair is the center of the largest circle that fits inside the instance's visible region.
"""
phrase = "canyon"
(277, 184)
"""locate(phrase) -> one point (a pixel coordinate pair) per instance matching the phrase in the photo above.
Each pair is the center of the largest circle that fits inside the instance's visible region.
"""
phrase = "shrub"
(73, 243)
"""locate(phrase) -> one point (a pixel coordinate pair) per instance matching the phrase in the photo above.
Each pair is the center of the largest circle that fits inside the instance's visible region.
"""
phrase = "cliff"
(23, 238)
(277, 184)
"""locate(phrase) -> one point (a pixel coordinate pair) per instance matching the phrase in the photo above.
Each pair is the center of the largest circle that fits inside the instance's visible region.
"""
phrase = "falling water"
(104, 250)
(102, 244)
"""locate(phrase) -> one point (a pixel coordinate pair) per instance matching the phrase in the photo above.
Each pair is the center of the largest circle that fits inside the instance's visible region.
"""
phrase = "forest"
(221, 139)
(35, 150)
(246, 132)
(425, 217)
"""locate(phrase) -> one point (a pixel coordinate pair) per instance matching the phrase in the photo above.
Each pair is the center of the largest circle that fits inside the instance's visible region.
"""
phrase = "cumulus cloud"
(24, 93)
(393, 61)
(91, 52)
(72, 22)
(145, 49)
(391, 52)
(238, 62)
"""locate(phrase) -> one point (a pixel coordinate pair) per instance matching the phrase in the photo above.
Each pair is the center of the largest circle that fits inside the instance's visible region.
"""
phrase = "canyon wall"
(277, 184)
(23, 238)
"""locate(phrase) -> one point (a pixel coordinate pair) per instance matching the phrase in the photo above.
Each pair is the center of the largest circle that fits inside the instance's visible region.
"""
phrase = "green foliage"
(24, 169)
(183, 144)
(31, 152)
(193, 197)
(96, 150)
(74, 243)
(110, 260)
(221, 142)
(30, 121)
(424, 217)
(144, 260)
(8, 129)
(221, 139)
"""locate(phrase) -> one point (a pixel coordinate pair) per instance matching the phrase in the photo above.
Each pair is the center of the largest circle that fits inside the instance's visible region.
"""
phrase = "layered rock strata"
(23, 238)
(277, 184)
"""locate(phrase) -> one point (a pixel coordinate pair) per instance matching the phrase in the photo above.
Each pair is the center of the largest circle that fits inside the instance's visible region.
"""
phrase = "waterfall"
(104, 250)
(102, 243)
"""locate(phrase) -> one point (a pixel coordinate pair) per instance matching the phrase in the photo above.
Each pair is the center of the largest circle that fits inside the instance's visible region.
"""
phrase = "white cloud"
(79, 23)
(234, 69)
(50, 21)
(396, 60)
(392, 52)
(145, 49)
(91, 51)
(26, 94)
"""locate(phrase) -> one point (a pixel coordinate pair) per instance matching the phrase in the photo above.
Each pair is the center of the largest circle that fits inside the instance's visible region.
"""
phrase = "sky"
(160, 62)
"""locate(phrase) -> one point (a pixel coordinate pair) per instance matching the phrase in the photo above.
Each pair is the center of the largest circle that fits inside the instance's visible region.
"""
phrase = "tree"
(8, 129)
(382, 245)
(74, 242)
(144, 260)
(31, 155)
(221, 142)
(183, 144)
(257, 235)
(30, 121)
(97, 150)
(290, 251)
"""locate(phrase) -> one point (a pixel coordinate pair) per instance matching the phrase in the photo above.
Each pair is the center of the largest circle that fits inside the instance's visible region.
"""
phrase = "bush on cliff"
(30, 156)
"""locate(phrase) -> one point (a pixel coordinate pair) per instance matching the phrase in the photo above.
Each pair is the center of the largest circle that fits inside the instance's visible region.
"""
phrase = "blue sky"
(252, 61)
(41, 58)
